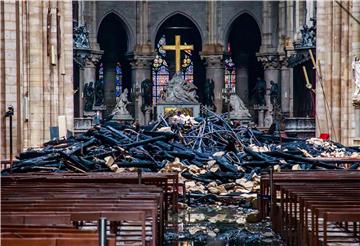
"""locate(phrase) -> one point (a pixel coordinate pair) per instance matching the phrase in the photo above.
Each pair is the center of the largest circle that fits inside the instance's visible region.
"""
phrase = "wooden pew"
(168, 181)
(63, 200)
(314, 208)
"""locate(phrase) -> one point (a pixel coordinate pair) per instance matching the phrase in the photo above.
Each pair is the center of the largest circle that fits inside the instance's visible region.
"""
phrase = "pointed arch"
(229, 26)
(166, 18)
(243, 41)
(192, 67)
(113, 39)
(125, 25)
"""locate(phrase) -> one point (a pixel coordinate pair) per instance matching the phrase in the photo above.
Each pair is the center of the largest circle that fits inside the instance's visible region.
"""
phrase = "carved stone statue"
(307, 36)
(89, 96)
(146, 92)
(81, 37)
(99, 92)
(239, 110)
(274, 93)
(356, 72)
(163, 94)
(260, 90)
(120, 112)
(209, 93)
(180, 91)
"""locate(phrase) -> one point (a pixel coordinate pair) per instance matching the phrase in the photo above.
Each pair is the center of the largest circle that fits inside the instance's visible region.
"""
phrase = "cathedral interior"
(286, 70)
(237, 45)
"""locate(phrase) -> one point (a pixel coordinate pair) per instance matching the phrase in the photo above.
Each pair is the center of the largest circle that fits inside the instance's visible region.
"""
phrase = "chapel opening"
(191, 66)
(114, 65)
(244, 40)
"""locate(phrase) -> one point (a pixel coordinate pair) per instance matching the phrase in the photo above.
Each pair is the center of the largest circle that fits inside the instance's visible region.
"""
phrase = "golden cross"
(178, 48)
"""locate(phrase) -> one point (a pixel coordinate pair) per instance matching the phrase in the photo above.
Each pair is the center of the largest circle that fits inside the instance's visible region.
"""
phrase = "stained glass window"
(230, 74)
(160, 75)
(188, 68)
(118, 78)
(189, 73)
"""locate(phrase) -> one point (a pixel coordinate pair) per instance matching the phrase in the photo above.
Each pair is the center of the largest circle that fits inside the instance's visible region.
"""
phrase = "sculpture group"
(120, 111)
(180, 91)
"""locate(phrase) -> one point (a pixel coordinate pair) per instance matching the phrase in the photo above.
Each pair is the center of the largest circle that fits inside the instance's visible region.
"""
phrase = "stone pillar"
(242, 77)
(36, 71)
(140, 70)
(88, 75)
(147, 112)
(355, 47)
(215, 71)
(267, 19)
(261, 118)
(285, 75)
(87, 15)
(242, 83)
(270, 63)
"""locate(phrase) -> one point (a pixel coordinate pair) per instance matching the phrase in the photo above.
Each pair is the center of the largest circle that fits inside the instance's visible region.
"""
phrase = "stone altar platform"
(244, 119)
(191, 109)
(302, 127)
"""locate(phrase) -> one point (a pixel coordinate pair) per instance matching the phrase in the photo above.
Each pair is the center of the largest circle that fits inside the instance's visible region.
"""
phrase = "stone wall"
(338, 34)
(36, 70)
(158, 12)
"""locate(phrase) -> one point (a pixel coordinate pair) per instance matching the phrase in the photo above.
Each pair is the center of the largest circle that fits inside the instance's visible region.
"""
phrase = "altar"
(191, 109)
(179, 95)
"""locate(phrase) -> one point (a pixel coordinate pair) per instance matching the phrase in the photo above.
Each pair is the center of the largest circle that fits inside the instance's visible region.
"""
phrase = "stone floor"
(219, 225)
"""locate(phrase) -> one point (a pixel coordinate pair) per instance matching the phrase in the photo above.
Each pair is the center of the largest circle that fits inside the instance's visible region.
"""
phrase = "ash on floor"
(219, 225)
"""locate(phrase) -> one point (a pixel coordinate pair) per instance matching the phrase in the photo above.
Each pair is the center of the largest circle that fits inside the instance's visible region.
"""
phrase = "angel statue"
(161, 43)
(238, 106)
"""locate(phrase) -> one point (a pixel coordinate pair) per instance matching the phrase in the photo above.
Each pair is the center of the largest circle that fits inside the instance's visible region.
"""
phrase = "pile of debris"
(213, 156)
(219, 225)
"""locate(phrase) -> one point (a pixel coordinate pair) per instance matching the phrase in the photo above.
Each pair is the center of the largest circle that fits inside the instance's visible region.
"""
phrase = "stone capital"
(211, 49)
(92, 59)
(88, 57)
(283, 61)
(215, 61)
(272, 60)
(141, 61)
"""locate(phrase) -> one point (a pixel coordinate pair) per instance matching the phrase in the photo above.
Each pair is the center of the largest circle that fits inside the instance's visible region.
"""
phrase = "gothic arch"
(113, 39)
(243, 38)
(229, 25)
(125, 25)
(163, 20)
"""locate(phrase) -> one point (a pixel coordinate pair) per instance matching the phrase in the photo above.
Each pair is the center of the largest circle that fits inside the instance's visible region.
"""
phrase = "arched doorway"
(194, 70)
(244, 41)
(113, 40)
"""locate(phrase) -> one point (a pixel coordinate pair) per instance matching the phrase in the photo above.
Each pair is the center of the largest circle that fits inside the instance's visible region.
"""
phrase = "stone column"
(355, 47)
(89, 75)
(215, 71)
(285, 75)
(267, 19)
(147, 113)
(87, 15)
(242, 77)
(140, 70)
(261, 117)
(242, 83)
(270, 63)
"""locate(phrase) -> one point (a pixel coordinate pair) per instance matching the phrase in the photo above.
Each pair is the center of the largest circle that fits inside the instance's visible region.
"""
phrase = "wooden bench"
(168, 181)
(55, 201)
(36, 213)
(313, 207)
